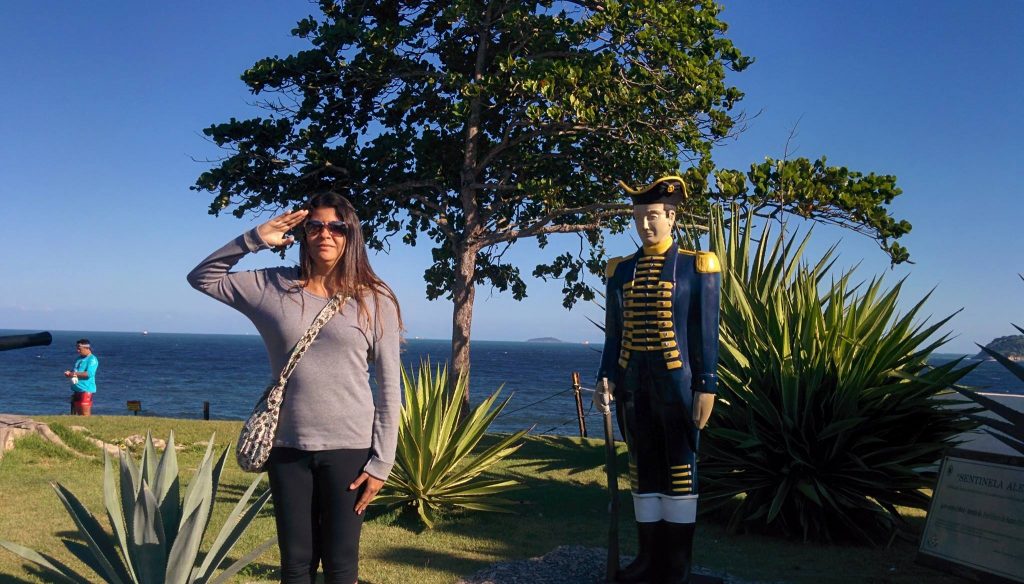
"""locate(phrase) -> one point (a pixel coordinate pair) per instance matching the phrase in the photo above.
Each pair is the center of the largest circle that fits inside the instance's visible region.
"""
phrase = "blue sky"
(104, 104)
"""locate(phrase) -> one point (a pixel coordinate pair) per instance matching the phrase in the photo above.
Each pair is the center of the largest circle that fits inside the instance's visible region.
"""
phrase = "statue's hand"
(703, 403)
(603, 397)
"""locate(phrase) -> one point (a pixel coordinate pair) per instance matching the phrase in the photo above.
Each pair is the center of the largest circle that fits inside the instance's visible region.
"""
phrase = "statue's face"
(654, 222)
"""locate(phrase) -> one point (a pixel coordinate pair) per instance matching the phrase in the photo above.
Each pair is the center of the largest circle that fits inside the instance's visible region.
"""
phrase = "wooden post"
(579, 403)
(206, 410)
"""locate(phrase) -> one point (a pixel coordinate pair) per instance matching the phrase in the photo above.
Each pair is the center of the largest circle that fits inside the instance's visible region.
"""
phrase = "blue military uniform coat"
(661, 346)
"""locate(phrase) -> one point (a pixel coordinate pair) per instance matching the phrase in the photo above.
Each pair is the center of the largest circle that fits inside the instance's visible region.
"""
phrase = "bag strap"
(307, 339)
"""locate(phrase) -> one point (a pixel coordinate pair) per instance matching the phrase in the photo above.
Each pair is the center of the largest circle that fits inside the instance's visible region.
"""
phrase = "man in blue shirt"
(83, 378)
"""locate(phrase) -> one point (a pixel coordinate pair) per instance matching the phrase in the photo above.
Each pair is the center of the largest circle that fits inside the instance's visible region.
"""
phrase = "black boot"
(676, 553)
(639, 570)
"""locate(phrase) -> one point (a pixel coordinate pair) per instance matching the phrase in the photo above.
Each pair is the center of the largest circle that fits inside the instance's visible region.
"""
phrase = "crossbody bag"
(257, 436)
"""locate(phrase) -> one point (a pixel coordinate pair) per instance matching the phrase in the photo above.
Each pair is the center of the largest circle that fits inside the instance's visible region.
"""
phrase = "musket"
(613, 492)
(23, 341)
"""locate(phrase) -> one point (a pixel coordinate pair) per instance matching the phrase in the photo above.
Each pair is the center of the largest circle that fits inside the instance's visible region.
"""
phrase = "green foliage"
(435, 465)
(476, 124)
(1009, 429)
(74, 440)
(563, 500)
(43, 449)
(157, 533)
(831, 416)
(827, 194)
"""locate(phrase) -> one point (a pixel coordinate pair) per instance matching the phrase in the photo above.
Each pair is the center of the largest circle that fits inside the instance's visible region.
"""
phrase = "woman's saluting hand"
(274, 232)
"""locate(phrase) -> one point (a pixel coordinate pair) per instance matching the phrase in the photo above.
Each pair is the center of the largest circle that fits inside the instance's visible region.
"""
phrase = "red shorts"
(82, 397)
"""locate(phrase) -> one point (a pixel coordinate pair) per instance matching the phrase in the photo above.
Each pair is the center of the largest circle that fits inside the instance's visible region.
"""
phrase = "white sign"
(976, 518)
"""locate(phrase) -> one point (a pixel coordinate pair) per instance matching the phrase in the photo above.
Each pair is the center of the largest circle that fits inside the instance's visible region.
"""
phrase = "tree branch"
(469, 165)
(542, 225)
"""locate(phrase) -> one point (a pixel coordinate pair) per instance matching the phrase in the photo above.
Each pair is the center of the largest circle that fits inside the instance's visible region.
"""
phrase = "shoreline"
(983, 441)
(979, 439)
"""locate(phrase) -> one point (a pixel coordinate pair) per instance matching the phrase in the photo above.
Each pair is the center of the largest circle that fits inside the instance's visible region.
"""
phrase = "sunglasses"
(313, 227)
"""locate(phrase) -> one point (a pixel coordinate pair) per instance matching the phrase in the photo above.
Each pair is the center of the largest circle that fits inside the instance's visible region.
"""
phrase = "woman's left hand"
(372, 487)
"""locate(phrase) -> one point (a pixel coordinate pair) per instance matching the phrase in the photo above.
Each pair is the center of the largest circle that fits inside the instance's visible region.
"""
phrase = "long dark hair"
(352, 275)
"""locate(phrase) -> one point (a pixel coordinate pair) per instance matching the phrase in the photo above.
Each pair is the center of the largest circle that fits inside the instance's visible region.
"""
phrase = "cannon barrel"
(22, 341)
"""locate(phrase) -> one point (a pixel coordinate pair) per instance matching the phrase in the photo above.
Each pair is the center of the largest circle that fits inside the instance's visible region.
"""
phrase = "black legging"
(315, 515)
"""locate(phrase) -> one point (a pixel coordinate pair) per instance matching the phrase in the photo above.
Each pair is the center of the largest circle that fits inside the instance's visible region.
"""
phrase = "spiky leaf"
(115, 514)
(147, 546)
(167, 489)
(55, 568)
(233, 528)
(829, 408)
(89, 530)
(438, 463)
(229, 572)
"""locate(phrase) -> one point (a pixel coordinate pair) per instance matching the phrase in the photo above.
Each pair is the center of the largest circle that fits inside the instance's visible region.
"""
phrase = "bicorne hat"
(668, 189)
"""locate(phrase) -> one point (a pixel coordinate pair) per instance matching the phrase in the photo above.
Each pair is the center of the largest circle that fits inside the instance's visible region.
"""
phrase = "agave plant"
(157, 534)
(832, 416)
(1010, 429)
(435, 465)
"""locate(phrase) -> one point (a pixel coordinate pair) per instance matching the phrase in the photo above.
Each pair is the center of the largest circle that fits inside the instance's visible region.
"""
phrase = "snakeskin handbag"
(257, 436)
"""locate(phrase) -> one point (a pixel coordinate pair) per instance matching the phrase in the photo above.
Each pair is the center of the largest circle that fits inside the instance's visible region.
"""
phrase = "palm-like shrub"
(1010, 428)
(157, 533)
(435, 466)
(832, 416)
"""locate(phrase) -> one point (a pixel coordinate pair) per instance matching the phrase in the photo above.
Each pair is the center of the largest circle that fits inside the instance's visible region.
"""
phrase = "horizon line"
(256, 334)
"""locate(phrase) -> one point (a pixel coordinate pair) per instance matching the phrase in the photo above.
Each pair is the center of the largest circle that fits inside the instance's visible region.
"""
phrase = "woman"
(335, 444)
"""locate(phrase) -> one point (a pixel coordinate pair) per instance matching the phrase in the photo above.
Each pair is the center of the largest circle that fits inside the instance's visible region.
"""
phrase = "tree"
(477, 123)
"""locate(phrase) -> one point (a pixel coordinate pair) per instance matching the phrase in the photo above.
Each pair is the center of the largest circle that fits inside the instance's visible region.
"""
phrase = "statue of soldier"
(659, 361)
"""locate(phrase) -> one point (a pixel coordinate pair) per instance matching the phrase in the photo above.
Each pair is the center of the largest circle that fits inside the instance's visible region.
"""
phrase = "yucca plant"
(436, 466)
(831, 415)
(157, 533)
(1009, 429)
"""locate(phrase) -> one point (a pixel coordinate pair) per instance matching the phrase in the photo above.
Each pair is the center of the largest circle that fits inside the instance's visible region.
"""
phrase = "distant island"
(545, 340)
(1011, 346)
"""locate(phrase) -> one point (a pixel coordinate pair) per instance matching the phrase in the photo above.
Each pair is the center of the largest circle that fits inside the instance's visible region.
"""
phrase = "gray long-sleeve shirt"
(328, 403)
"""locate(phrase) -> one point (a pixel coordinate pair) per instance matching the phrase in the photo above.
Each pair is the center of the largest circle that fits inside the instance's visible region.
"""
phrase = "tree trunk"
(464, 286)
(463, 294)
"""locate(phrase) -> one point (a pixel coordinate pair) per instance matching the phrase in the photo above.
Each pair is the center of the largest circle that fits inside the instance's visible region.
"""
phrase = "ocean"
(173, 374)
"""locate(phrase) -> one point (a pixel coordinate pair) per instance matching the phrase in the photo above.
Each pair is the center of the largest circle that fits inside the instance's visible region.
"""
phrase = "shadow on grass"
(546, 511)
(232, 492)
(562, 453)
(270, 572)
(33, 570)
(418, 559)
(72, 544)
(401, 516)
(259, 571)
(90, 570)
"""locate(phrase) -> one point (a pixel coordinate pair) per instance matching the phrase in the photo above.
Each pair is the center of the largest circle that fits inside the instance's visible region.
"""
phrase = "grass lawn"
(563, 502)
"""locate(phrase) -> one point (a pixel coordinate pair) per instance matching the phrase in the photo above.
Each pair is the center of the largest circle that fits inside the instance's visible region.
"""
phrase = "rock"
(140, 440)
(15, 426)
(111, 449)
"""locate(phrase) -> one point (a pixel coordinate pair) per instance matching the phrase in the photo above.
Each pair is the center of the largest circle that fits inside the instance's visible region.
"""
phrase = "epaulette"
(612, 264)
(707, 262)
